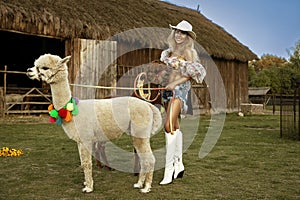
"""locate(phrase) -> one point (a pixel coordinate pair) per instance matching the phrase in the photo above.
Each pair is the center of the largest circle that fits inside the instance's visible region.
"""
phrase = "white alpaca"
(101, 120)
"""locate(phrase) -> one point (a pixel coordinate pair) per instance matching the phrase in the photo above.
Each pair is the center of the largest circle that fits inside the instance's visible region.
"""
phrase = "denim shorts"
(181, 92)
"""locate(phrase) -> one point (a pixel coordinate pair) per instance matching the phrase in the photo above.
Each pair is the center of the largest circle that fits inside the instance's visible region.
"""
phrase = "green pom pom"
(75, 108)
(53, 113)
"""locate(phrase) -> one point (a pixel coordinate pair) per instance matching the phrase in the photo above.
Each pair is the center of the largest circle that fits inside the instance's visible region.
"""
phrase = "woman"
(183, 60)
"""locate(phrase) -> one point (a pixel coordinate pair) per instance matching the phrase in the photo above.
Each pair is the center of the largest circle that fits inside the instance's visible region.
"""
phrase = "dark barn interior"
(19, 51)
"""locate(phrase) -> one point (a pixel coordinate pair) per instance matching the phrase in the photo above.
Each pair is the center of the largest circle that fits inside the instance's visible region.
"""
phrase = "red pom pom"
(62, 113)
(52, 120)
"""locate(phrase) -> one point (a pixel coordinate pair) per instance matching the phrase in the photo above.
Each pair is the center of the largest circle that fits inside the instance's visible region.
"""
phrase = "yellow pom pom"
(70, 107)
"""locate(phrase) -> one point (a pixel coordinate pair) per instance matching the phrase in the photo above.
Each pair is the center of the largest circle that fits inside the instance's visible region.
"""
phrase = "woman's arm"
(172, 85)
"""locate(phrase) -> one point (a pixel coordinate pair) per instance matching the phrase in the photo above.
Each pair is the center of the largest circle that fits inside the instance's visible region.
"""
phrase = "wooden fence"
(17, 100)
(290, 115)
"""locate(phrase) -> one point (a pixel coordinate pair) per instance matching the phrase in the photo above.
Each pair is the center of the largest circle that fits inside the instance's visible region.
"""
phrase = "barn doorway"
(19, 94)
(19, 51)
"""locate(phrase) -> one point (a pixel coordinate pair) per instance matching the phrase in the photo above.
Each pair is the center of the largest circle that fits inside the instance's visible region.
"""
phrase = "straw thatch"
(100, 19)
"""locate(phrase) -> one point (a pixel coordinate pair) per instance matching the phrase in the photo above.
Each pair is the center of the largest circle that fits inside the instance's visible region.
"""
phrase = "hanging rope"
(111, 87)
(139, 83)
(138, 86)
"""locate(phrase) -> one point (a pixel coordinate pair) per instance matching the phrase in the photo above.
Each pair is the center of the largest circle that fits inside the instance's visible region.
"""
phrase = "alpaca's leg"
(150, 161)
(103, 156)
(147, 162)
(86, 164)
(142, 175)
(137, 167)
(97, 154)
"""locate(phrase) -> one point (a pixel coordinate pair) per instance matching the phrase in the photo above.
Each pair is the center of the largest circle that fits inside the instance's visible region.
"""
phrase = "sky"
(264, 26)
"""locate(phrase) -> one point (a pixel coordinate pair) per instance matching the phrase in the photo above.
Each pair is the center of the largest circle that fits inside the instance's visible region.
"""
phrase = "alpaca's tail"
(157, 119)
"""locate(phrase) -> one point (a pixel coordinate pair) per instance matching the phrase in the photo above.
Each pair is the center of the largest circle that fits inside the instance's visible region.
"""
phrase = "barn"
(112, 40)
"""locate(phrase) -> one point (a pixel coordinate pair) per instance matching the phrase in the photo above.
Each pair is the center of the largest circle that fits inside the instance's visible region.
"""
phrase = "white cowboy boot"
(178, 164)
(169, 166)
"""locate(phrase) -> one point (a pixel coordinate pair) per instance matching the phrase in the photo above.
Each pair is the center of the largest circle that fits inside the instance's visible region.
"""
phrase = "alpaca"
(100, 120)
(100, 146)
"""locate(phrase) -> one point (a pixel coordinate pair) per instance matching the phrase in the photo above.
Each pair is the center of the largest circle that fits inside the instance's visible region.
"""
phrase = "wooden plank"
(26, 111)
(12, 72)
(38, 95)
(28, 102)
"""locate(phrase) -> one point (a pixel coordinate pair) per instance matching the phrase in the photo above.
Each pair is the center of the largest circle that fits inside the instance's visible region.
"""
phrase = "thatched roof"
(100, 19)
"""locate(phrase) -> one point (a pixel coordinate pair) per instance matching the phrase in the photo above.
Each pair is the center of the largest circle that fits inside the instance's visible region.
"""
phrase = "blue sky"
(265, 26)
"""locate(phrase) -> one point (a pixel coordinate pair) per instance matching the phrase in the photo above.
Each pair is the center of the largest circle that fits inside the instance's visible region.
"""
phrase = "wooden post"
(298, 95)
(1, 102)
(274, 99)
(281, 113)
(5, 74)
(4, 90)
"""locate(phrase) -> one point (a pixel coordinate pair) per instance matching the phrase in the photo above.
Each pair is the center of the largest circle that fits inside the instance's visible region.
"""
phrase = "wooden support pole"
(4, 90)
(1, 102)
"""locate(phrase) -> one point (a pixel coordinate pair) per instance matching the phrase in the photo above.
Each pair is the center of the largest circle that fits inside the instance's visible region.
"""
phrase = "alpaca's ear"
(65, 60)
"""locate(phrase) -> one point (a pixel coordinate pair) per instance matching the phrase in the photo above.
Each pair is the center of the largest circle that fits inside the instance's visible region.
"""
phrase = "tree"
(266, 72)
(295, 57)
(268, 61)
(275, 72)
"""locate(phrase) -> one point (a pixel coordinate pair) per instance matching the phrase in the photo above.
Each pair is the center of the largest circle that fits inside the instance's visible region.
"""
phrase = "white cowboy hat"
(185, 26)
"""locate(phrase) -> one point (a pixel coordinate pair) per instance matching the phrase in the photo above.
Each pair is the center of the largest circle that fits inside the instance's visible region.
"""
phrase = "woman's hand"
(172, 85)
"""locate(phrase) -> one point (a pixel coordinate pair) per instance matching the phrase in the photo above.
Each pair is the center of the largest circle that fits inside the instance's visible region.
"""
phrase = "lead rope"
(139, 83)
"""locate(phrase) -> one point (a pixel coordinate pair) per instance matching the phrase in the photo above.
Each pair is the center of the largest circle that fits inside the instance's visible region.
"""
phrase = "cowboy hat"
(185, 26)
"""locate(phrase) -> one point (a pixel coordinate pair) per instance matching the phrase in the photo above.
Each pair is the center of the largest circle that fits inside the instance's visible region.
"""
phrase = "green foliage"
(295, 57)
(279, 74)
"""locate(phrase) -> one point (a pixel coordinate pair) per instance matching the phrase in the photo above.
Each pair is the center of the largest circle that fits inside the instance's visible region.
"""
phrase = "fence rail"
(16, 100)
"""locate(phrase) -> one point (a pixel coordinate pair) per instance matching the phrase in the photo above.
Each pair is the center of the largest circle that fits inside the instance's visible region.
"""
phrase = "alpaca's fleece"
(108, 119)
(101, 120)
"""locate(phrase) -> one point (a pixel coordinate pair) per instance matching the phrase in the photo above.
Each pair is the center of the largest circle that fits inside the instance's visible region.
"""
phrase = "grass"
(249, 161)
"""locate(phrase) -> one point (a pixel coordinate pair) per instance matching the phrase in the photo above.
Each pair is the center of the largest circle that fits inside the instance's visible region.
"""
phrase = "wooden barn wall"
(235, 79)
(131, 63)
(93, 63)
(87, 54)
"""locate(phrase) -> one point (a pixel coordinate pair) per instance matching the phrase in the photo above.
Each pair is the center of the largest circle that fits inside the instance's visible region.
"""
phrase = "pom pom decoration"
(70, 106)
(68, 117)
(76, 100)
(53, 113)
(64, 113)
(51, 119)
(75, 110)
(58, 121)
(50, 107)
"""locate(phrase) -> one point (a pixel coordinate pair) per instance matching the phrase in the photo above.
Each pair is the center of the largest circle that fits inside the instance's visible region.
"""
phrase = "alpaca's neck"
(61, 94)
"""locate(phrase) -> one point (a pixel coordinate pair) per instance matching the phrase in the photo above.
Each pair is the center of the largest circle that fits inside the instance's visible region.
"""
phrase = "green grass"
(249, 161)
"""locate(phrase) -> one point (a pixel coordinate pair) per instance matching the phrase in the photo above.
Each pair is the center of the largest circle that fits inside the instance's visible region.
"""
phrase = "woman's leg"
(178, 164)
(172, 117)
(171, 124)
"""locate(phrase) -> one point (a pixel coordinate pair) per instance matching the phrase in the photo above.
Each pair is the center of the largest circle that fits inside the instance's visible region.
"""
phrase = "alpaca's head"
(49, 68)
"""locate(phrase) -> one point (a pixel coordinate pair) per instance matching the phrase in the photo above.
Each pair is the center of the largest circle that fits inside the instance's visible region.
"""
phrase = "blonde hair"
(181, 50)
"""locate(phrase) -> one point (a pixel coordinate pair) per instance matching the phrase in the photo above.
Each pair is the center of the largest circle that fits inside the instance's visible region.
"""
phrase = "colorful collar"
(64, 113)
